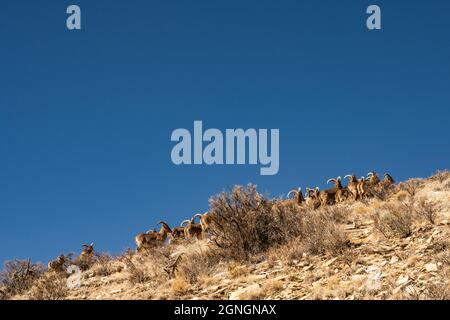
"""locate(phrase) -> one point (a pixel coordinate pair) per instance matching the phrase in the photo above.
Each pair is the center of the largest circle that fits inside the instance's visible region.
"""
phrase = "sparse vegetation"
(426, 210)
(247, 224)
(18, 276)
(390, 243)
(441, 175)
(394, 220)
(51, 286)
(411, 186)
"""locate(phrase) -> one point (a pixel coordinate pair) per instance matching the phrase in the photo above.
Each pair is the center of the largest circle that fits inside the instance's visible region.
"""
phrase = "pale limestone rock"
(402, 280)
(237, 295)
(393, 260)
(431, 267)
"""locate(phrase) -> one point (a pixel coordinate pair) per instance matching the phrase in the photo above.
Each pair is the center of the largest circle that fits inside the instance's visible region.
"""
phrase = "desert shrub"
(411, 186)
(320, 233)
(337, 213)
(440, 175)
(104, 265)
(195, 265)
(443, 257)
(148, 267)
(245, 223)
(290, 253)
(437, 291)
(18, 276)
(426, 210)
(394, 220)
(383, 193)
(51, 286)
(136, 273)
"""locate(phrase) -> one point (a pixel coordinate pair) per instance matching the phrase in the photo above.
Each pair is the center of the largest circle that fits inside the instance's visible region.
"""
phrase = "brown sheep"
(193, 229)
(57, 265)
(152, 239)
(361, 188)
(329, 196)
(298, 196)
(352, 186)
(177, 233)
(205, 222)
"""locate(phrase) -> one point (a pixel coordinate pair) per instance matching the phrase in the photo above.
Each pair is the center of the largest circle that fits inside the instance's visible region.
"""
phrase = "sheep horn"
(348, 176)
(184, 221)
(292, 191)
(163, 223)
(195, 216)
(331, 179)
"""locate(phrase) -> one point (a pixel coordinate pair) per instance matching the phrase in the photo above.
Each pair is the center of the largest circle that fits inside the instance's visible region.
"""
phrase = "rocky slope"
(383, 259)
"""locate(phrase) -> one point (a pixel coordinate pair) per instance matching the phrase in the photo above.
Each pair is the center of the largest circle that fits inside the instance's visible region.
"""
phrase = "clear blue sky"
(86, 117)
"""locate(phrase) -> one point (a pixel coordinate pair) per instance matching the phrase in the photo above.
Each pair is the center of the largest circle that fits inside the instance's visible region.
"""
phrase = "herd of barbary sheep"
(356, 189)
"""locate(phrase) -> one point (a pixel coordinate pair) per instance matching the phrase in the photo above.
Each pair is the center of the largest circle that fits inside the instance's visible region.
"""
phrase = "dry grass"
(394, 220)
(426, 210)
(411, 186)
(18, 276)
(267, 248)
(320, 233)
(441, 176)
(289, 254)
(197, 265)
(51, 286)
(437, 291)
(253, 292)
(273, 286)
(180, 285)
(104, 265)
(147, 267)
(247, 224)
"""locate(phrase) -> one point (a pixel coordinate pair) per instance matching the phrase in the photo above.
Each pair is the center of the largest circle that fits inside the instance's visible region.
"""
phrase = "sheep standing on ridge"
(352, 186)
(298, 196)
(57, 265)
(145, 241)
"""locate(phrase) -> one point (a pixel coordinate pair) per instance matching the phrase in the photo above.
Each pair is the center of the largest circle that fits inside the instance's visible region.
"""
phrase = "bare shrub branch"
(394, 220)
(426, 210)
(18, 276)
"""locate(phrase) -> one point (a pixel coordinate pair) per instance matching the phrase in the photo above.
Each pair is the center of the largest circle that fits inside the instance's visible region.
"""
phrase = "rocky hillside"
(392, 246)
